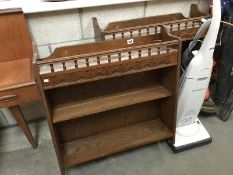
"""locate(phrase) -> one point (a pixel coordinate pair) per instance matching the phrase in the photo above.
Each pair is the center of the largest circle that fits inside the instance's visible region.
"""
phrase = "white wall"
(68, 27)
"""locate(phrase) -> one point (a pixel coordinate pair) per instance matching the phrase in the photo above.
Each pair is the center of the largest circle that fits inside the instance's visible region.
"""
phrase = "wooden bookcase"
(106, 97)
(179, 26)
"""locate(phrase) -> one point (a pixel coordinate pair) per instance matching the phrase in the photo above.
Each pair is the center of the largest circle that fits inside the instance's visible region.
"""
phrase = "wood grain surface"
(114, 141)
(108, 102)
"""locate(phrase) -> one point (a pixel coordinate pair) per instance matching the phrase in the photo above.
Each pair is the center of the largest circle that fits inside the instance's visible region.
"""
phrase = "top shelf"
(106, 59)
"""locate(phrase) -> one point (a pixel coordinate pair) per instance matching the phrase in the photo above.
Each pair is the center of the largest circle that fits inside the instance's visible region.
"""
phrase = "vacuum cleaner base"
(190, 136)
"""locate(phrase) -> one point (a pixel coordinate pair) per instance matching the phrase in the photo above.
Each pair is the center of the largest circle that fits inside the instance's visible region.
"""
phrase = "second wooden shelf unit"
(178, 25)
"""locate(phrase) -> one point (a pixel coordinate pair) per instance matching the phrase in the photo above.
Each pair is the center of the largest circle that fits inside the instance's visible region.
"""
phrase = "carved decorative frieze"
(108, 70)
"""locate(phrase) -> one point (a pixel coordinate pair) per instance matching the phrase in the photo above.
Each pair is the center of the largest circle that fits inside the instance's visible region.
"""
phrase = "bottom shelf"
(114, 141)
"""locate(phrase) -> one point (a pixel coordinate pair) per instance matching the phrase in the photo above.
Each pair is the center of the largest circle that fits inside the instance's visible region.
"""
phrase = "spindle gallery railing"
(177, 25)
(145, 53)
(75, 62)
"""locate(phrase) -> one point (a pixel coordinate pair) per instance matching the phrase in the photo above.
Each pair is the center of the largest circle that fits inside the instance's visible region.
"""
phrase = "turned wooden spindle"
(131, 33)
(158, 50)
(130, 55)
(64, 65)
(139, 53)
(51, 67)
(87, 62)
(171, 27)
(119, 56)
(76, 63)
(148, 31)
(178, 27)
(139, 32)
(109, 59)
(156, 30)
(98, 60)
(149, 51)
(114, 36)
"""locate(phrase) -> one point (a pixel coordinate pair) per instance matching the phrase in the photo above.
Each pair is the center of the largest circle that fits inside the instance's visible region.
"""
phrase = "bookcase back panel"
(105, 121)
(84, 91)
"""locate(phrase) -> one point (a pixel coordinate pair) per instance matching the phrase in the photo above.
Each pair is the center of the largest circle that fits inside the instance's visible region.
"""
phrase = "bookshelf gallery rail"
(66, 67)
(178, 25)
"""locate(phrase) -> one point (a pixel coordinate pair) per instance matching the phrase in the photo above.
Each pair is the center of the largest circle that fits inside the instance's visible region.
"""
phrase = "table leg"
(17, 113)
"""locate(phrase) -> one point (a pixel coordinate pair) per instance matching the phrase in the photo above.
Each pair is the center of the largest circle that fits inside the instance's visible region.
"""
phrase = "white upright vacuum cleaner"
(193, 85)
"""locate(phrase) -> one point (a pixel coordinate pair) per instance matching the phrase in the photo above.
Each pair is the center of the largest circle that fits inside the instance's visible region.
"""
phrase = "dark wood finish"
(110, 120)
(170, 103)
(107, 102)
(155, 51)
(97, 30)
(108, 71)
(53, 130)
(176, 23)
(120, 84)
(107, 143)
(17, 79)
(17, 113)
(105, 97)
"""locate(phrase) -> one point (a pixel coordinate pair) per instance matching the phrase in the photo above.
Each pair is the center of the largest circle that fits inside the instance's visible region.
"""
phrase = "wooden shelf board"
(114, 141)
(104, 103)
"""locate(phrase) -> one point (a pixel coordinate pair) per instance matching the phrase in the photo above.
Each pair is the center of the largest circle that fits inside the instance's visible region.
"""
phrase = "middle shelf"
(86, 107)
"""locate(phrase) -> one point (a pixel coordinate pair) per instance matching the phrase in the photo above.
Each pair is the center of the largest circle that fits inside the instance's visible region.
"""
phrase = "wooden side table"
(17, 81)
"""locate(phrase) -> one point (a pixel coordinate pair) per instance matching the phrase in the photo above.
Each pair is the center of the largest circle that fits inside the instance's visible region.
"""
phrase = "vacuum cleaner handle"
(207, 48)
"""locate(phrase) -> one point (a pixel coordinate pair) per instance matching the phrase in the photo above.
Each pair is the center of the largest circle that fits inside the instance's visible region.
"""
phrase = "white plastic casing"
(198, 73)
